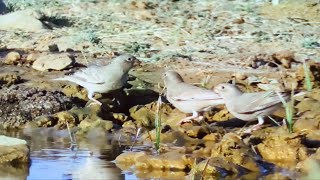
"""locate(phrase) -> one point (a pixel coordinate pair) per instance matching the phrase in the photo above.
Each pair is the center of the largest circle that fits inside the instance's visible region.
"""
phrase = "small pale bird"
(102, 79)
(188, 98)
(250, 106)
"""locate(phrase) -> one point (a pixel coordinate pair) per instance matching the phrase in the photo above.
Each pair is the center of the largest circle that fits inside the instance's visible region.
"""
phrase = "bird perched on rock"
(188, 98)
(250, 106)
(102, 79)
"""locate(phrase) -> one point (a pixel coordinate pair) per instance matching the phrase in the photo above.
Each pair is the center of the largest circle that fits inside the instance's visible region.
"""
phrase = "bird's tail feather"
(67, 78)
(301, 93)
(73, 80)
(60, 79)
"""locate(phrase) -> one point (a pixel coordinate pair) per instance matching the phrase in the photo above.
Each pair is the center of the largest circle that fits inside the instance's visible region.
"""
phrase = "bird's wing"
(91, 74)
(252, 102)
(187, 92)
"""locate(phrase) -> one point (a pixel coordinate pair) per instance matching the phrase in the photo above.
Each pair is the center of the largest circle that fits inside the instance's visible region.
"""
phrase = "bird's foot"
(190, 120)
(253, 128)
(200, 118)
(95, 102)
(185, 120)
(195, 115)
(247, 131)
(117, 101)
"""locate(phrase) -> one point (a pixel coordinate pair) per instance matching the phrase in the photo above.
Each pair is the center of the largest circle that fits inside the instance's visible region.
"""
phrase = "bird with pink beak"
(189, 98)
(250, 106)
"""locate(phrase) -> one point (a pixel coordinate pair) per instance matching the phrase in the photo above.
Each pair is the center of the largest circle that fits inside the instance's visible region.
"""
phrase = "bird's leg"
(260, 123)
(117, 101)
(90, 96)
(257, 126)
(190, 118)
(200, 117)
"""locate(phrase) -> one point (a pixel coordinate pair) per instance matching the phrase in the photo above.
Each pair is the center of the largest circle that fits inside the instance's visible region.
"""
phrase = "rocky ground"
(258, 45)
(14, 154)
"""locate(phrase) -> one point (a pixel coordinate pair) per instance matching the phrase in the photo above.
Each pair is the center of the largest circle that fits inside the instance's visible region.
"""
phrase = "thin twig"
(274, 120)
(134, 32)
(69, 131)
(84, 56)
(205, 169)
(158, 123)
(135, 138)
(242, 129)
(193, 169)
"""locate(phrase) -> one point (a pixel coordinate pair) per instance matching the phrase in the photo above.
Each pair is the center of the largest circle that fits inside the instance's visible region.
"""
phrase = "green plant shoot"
(307, 76)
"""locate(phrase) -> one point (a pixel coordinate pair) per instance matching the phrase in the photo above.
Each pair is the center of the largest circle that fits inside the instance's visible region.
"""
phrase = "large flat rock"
(13, 150)
(25, 20)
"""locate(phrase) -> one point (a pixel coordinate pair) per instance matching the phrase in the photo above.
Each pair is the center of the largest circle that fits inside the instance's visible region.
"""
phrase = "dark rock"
(9, 78)
(21, 104)
(2, 7)
(232, 149)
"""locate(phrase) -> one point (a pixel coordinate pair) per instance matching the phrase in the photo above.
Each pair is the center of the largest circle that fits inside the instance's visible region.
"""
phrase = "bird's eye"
(130, 59)
(222, 87)
(164, 75)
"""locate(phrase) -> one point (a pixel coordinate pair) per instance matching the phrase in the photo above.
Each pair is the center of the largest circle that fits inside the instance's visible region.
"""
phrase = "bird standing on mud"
(188, 98)
(250, 106)
(102, 79)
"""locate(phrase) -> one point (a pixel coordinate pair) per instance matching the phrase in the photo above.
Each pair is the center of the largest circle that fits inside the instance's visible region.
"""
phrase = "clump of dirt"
(9, 78)
(218, 167)
(170, 161)
(145, 115)
(21, 104)
(232, 149)
(310, 163)
(296, 11)
(277, 146)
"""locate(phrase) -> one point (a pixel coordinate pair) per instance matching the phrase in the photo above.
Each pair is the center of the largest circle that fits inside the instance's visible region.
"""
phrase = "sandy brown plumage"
(189, 98)
(102, 79)
(250, 106)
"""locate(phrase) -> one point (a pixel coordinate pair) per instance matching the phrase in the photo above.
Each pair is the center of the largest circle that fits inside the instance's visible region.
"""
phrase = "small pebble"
(31, 58)
(12, 58)
(238, 21)
(240, 76)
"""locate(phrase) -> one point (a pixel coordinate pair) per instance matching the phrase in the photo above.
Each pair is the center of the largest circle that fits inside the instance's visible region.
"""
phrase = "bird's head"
(227, 90)
(127, 61)
(171, 77)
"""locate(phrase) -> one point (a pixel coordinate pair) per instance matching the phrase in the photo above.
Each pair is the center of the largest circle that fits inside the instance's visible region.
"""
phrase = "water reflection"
(51, 157)
(11, 172)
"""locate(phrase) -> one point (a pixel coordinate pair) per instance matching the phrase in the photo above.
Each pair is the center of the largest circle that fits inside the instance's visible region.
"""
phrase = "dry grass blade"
(274, 121)
(158, 124)
(307, 76)
(135, 138)
(205, 169)
(72, 139)
(193, 169)
(84, 56)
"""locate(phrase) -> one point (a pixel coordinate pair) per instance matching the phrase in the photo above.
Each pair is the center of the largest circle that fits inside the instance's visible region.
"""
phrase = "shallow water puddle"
(51, 158)
(65, 164)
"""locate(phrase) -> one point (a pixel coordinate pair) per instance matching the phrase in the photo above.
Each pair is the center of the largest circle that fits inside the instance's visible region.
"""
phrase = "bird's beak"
(215, 90)
(136, 62)
(163, 76)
